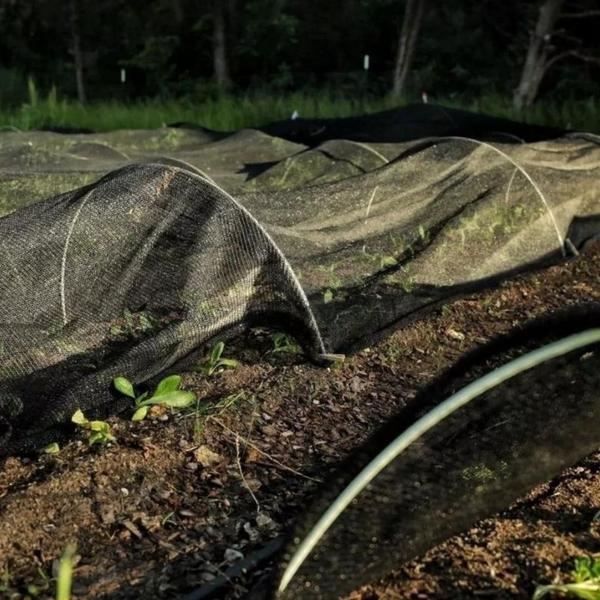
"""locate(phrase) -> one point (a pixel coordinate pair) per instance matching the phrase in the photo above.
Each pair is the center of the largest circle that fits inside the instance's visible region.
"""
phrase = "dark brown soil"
(182, 496)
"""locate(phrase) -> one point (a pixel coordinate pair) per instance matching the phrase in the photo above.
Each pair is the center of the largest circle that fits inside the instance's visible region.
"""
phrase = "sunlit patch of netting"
(443, 217)
(472, 443)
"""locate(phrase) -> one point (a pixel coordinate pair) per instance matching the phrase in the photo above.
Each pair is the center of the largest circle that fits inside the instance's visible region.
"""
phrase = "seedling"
(283, 343)
(64, 578)
(215, 363)
(52, 448)
(99, 431)
(585, 584)
(167, 393)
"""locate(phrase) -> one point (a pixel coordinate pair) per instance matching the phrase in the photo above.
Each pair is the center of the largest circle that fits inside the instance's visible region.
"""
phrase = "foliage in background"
(465, 48)
(229, 112)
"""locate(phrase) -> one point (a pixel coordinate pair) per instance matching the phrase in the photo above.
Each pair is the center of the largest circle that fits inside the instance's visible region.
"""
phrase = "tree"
(411, 24)
(76, 50)
(536, 59)
(220, 62)
(543, 50)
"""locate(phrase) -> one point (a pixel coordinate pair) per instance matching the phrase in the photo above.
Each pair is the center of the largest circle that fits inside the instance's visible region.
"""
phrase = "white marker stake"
(123, 76)
(366, 62)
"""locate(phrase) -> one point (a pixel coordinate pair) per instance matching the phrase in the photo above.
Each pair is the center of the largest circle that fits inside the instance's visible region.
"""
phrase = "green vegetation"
(167, 393)
(585, 584)
(134, 324)
(52, 448)
(229, 112)
(64, 578)
(285, 344)
(99, 431)
(216, 363)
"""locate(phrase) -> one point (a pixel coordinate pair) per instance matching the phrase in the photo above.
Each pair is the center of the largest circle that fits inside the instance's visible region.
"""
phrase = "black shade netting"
(432, 472)
(142, 264)
(126, 277)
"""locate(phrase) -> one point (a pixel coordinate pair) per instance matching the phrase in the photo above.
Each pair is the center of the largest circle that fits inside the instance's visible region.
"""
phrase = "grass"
(230, 112)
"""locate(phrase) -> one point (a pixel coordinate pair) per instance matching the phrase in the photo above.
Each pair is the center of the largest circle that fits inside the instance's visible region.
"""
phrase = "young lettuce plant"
(167, 393)
(215, 363)
(585, 583)
(99, 431)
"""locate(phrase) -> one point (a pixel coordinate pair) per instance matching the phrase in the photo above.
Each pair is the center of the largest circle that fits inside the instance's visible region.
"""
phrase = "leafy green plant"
(52, 448)
(99, 431)
(64, 579)
(167, 393)
(216, 363)
(285, 344)
(585, 584)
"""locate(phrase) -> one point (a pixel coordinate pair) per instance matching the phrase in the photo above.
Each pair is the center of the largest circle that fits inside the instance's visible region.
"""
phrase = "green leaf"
(52, 448)
(141, 398)
(99, 426)
(97, 437)
(65, 573)
(140, 413)
(78, 418)
(216, 352)
(177, 399)
(123, 385)
(388, 261)
(230, 363)
(167, 385)
(327, 296)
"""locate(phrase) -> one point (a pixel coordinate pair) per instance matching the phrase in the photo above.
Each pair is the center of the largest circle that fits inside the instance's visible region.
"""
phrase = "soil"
(182, 496)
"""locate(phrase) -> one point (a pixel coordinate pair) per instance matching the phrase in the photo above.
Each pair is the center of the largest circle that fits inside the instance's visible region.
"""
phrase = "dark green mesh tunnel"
(127, 276)
(472, 443)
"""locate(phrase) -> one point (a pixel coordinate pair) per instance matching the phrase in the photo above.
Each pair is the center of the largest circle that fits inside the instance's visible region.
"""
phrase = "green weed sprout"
(99, 431)
(215, 363)
(167, 393)
(64, 579)
(283, 343)
(585, 584)
(52, 448)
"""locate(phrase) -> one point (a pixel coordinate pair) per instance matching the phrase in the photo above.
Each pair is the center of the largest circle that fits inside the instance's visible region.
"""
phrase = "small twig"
(239, 464)
(260, 451)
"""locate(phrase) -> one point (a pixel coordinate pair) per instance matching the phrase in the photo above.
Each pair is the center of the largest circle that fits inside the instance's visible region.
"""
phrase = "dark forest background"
(199, 49)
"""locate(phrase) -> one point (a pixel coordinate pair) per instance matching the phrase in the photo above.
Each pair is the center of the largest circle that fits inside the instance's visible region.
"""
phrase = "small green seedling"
(585, 584)
(52, 448)
(215, 363)
(284, 344)
(167, 393)
(99, 431)
(64, 579)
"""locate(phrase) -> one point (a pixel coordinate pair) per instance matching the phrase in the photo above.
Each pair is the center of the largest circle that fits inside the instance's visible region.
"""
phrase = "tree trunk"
(77, 52)
(413, 16)
(536, 60)
(220, 45)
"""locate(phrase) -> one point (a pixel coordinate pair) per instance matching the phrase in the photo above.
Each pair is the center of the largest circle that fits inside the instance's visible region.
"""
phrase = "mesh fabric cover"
(467, 465)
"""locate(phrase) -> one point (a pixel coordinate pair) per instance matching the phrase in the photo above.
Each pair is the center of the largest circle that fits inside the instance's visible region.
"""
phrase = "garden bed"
(182, 496)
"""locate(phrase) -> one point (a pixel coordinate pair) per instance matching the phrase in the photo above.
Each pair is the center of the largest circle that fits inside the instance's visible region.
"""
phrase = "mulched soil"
(181, 497)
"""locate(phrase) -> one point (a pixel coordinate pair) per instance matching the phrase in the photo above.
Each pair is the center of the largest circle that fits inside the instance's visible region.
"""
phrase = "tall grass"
(230, 112)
